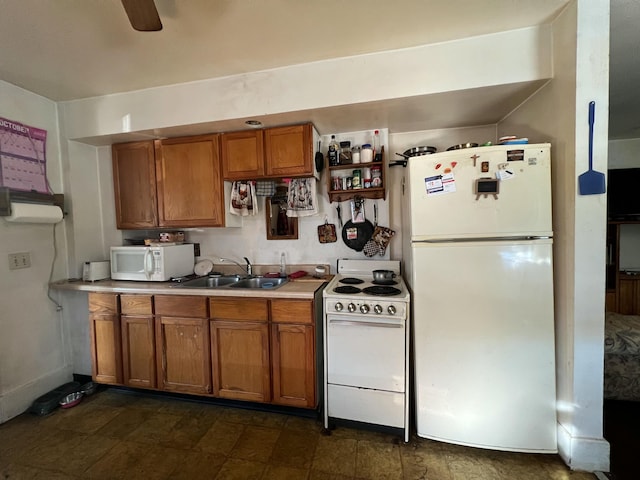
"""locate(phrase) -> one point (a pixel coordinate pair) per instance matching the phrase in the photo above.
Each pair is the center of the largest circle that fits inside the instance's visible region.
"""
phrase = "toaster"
(92, 271)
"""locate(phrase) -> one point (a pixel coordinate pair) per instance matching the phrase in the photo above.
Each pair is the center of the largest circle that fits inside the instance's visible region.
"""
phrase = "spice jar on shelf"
(356, 179)
(355, 154)
(344, 158)
(376, 176)
(366, 154)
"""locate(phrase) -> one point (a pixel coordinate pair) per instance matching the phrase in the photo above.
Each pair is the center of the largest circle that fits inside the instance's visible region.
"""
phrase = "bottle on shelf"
(283, 265)
(377, 153)
(334, 150)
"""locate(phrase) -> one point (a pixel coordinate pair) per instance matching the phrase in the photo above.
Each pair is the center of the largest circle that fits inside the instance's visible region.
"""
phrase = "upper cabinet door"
(190, 187)
(288, 151)
(134, 182)
(242, 155)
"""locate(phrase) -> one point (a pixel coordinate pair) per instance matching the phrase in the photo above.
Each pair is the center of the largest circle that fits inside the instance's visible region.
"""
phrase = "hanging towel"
(243, 199)
(265, 188)
(301, 197)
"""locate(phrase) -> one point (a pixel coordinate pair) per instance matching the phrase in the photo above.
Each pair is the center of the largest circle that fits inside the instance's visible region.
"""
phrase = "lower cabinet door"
(139, 351)
(106, 348)
(240, 359)
(182, 349)
(293, 358)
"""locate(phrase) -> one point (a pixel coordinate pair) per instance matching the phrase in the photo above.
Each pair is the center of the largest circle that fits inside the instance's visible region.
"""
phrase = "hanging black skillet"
(319, 159)
(357, 231)
(356, 235)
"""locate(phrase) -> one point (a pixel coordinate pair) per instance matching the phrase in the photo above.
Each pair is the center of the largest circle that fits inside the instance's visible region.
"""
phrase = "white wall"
(624, 153)
(516, 56)
(33, 350)
(559, 112)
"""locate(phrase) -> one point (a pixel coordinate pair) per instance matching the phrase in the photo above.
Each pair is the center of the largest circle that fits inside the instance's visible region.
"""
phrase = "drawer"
(136, 304)
(365, 405)
(292, 311)
(103, 303)
(181, 306)
(247, 309)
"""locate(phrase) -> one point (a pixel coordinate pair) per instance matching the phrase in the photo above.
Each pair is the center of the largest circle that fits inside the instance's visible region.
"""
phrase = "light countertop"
(304, 287)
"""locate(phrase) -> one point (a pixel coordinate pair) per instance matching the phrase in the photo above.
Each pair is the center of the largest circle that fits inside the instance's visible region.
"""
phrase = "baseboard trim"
(19, 399)
(583, 453)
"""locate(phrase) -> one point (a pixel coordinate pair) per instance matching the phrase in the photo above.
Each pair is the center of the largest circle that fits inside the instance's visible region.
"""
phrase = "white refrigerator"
(478, 260)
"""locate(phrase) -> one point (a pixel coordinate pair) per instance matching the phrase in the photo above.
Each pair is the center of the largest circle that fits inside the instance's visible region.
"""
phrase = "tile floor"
(117, 434)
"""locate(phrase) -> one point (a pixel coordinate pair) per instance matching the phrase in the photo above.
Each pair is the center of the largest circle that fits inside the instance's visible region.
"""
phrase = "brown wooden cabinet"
(270, 153)
(293, 353)
(189, 182)
(138, 340)
(240, 348)
(182, 343)
(289, 151)
(104, 321)
(134, 182)
(173, 183)
(242, 155)
(254, 349)
(628, 294)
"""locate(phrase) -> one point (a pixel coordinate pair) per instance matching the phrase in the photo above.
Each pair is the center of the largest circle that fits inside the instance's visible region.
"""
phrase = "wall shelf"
(344, 195)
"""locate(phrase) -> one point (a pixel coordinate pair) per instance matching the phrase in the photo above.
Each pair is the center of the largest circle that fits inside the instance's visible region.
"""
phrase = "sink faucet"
(248, 268)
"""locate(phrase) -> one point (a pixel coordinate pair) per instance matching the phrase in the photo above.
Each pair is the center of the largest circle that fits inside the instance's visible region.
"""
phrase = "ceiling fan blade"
(142, 15)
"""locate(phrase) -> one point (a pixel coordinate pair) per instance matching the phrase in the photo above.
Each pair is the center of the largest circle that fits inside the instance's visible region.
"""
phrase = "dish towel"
(265, 188)
(301, 197)
(244, 201)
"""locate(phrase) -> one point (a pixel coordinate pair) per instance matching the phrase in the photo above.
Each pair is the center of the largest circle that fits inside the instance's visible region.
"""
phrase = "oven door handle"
(366, 324)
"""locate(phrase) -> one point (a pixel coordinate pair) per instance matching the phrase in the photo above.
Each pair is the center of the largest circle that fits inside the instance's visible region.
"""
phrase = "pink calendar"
(23, 159)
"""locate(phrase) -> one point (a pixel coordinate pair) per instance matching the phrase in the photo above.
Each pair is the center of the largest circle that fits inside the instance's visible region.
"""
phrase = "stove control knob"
(351, 307)
(338, 307)
(391, 309)
(377, 309)
(364, 308)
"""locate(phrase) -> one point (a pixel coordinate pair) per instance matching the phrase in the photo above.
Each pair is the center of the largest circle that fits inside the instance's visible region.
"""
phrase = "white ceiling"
(70, 49)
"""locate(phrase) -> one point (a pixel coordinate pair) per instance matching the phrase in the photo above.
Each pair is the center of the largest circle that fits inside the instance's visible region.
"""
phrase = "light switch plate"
(19, 260)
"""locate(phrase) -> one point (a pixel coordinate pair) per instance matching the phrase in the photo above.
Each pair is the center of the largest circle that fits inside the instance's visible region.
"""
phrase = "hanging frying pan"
(357, 231)
(356, 235)
(319, 159)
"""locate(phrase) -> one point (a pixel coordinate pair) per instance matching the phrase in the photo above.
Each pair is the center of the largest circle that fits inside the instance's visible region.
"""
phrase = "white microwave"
(151, 263)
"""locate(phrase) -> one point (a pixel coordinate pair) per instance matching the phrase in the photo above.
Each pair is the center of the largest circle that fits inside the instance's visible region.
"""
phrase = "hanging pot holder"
(327, 233)
(379, 241)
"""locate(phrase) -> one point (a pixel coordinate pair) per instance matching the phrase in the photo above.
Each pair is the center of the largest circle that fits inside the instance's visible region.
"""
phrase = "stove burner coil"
(346, 289)
(351, 281)
(381, 290)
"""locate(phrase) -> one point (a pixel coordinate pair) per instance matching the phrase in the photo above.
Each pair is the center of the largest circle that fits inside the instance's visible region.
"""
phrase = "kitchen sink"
(259, 282)
(235, 281)
(210, 282)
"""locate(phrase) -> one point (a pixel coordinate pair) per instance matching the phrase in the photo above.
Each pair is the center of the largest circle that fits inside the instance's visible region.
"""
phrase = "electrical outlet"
(19, 260)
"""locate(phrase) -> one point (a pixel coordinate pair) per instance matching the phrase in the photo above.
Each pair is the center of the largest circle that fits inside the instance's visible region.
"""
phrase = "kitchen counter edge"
(292, 289)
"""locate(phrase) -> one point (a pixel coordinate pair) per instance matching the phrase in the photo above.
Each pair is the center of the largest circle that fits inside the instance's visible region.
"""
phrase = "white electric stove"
(366, 346)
